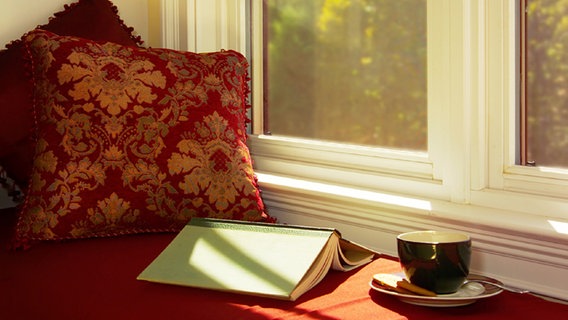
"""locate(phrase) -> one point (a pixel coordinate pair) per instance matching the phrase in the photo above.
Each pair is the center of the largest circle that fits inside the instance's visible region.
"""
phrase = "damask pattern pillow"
(135, 140)
(91, 19)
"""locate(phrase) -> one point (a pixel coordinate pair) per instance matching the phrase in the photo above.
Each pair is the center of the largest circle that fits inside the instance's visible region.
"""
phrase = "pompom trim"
(67, 9)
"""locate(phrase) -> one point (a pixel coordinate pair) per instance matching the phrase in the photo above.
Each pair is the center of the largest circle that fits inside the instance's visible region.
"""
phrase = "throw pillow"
(91, 19)
(135, 140)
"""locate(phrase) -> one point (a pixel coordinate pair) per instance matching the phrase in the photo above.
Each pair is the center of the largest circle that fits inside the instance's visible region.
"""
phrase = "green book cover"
(272, 260)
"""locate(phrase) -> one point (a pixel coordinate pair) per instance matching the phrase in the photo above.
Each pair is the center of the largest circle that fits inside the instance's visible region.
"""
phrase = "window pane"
(547, 82)
(350, 71)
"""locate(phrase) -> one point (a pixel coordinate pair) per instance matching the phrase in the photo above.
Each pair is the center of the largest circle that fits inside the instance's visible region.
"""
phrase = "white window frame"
(500, 182)
(372, 168)
(472, 60)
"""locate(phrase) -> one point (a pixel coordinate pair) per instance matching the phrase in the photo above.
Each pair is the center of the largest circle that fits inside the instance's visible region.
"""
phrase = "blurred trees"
(351, 71)
(354, 71)
(547, 82)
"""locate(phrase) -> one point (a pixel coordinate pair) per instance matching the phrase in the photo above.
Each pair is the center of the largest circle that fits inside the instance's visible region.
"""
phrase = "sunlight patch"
(346, 192)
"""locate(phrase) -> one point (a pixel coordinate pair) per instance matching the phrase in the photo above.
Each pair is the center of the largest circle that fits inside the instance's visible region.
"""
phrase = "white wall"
(19, 16)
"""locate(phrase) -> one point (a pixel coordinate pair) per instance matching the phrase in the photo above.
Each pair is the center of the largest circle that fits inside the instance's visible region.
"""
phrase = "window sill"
(401, 172)
(534, 244)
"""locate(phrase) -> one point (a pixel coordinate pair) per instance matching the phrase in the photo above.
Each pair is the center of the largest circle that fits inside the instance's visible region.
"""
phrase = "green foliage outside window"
(351, 71)
(547, 82)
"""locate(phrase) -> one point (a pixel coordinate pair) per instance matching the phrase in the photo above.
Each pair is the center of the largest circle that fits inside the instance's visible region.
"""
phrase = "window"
(347, 71)
(545, 79)
(472, 133)
(381, 137)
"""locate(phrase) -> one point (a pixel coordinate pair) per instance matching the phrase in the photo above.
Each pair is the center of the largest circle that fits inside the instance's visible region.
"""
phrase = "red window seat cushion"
(96, 279)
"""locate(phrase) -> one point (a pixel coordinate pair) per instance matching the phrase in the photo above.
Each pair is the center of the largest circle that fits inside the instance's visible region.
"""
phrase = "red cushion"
(96, 279)
(92, 19)
(135, 140)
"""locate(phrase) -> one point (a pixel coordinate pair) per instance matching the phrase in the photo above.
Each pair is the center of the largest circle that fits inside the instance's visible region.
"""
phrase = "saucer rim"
(445, 299)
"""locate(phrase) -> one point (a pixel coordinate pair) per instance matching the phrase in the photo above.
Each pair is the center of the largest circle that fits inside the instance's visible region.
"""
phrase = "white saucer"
(466, 295)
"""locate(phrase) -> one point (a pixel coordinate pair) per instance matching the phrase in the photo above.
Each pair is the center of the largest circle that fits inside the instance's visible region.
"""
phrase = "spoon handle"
(499, 285)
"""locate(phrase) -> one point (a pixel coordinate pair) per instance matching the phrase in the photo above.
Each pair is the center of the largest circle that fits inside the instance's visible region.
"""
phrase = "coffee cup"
(435, 260)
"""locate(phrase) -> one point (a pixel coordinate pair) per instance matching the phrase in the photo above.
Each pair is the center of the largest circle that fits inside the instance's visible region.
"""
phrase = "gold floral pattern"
(112, 81)
(135, 140)
(209, 167)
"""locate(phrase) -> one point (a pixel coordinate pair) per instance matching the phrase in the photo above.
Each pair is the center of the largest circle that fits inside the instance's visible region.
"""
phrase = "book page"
(351, 255)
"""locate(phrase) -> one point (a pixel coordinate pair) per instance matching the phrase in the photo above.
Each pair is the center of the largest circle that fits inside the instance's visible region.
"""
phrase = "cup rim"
(426, 236)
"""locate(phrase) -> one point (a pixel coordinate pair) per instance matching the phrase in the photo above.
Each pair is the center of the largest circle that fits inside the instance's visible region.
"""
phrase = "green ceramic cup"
(435, 260)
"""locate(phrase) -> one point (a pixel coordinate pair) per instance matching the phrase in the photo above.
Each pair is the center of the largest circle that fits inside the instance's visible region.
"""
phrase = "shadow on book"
(271, 260)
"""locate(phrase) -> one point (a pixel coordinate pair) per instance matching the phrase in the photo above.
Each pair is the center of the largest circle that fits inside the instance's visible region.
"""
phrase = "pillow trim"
(130, 30)
(67, 8)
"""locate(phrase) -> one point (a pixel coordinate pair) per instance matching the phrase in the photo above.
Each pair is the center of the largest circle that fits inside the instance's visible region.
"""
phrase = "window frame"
(374, 161)
(473, 60)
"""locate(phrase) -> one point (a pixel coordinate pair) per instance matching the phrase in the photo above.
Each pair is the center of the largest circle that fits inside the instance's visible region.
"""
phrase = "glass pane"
(547, 82)
(350, 71)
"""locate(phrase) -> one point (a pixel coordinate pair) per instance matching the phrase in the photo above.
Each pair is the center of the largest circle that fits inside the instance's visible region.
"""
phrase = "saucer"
(467, 294)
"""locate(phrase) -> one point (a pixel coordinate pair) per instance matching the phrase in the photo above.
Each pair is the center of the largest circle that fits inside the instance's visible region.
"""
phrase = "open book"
(272, 260)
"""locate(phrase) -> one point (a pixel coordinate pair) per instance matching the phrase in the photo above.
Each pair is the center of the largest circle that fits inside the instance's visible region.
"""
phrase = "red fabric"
(135, 140)
(96, 279)
(91, 19)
